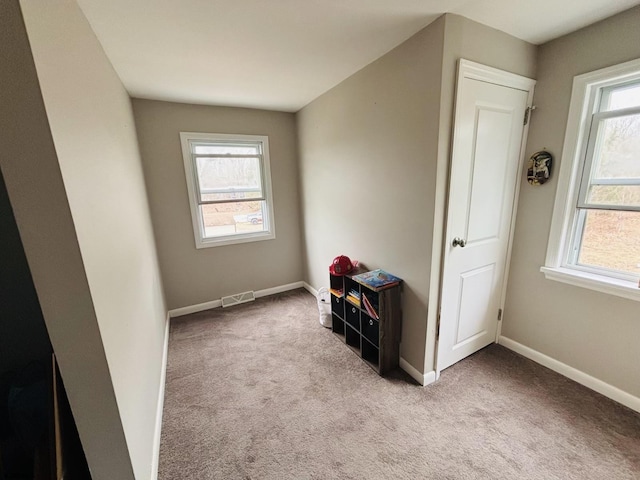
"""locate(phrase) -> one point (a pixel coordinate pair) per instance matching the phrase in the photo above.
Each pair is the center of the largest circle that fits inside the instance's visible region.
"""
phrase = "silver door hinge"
(499, 314)
(527, 114)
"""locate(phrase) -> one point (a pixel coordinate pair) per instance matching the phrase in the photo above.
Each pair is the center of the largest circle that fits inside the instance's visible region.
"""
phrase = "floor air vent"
(238, 298)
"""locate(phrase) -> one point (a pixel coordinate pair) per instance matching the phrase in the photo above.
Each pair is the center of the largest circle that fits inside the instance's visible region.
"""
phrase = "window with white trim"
(595, 235)
(229, 186)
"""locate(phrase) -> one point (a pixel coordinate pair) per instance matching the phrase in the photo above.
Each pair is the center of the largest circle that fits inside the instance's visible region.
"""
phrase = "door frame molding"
(484, 73)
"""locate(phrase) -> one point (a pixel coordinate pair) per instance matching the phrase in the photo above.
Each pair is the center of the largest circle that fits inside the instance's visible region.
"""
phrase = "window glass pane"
(228, 178)
(222, 149)
(627, 195)
(611, 240)
(623, 97)
(617, 152)
(223, 219)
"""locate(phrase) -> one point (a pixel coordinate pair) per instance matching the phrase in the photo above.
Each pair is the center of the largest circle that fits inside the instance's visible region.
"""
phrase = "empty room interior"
(297, 239)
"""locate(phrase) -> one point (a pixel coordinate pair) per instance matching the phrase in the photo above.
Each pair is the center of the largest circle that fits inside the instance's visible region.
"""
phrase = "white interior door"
(487, 142)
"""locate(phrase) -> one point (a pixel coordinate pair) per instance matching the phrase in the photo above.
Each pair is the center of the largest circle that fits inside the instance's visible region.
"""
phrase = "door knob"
(459, 242)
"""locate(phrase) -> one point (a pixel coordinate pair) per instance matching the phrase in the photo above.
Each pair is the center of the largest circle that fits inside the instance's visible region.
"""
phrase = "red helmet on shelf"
(341, 265)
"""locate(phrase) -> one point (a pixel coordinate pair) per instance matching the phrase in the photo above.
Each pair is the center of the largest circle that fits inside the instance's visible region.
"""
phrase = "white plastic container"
(324, 306)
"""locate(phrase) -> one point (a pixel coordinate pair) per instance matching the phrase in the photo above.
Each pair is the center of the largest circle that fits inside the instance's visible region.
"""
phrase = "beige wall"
(193, 276)
(591, 331)
(91, 121)
(35, 185)
(368, 162)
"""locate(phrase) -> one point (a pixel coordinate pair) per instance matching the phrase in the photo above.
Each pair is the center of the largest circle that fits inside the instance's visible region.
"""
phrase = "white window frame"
(268, 220)
(584, 97)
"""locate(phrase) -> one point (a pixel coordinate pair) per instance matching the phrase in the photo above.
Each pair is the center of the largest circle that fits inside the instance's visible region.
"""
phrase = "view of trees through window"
(226, 180)
(611, 238)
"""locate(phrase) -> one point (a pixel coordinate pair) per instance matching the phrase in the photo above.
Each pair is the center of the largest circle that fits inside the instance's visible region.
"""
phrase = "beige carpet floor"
(263, 391)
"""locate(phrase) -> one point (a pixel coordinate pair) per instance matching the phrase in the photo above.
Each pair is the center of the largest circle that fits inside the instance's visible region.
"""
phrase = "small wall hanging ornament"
(539, 168)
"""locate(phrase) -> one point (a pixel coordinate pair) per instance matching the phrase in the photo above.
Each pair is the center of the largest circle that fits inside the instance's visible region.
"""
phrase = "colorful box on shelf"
(377, 280)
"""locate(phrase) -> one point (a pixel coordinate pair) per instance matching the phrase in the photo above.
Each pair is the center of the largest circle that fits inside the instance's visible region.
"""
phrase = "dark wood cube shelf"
(375, 340)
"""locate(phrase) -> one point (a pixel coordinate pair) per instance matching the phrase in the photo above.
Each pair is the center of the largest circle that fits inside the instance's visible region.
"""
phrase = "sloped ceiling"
(281, 54)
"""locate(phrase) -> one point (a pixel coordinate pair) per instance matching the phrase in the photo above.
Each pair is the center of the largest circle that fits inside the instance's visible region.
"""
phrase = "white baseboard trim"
(310, 289)
(423, 380)
(429, 378)
(200, 307)
(614, 393)
(280, 289)
(155, 461)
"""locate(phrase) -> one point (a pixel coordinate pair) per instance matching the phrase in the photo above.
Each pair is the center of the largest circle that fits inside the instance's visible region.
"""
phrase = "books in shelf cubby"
(367, 316)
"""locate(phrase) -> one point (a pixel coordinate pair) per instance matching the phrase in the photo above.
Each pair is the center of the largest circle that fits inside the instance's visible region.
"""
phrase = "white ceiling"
(281, 54)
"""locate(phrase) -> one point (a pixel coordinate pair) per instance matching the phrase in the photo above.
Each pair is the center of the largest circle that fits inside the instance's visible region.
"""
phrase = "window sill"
(234, 239)
(612, 286)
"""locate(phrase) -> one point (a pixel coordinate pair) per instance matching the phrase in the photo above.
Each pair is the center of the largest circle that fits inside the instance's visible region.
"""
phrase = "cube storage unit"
(375, 340)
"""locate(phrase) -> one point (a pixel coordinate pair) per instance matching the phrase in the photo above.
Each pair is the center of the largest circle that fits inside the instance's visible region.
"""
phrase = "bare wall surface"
(34, 182)
(94, 135)
(192, 276)
(591, 331)
(368, 164)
